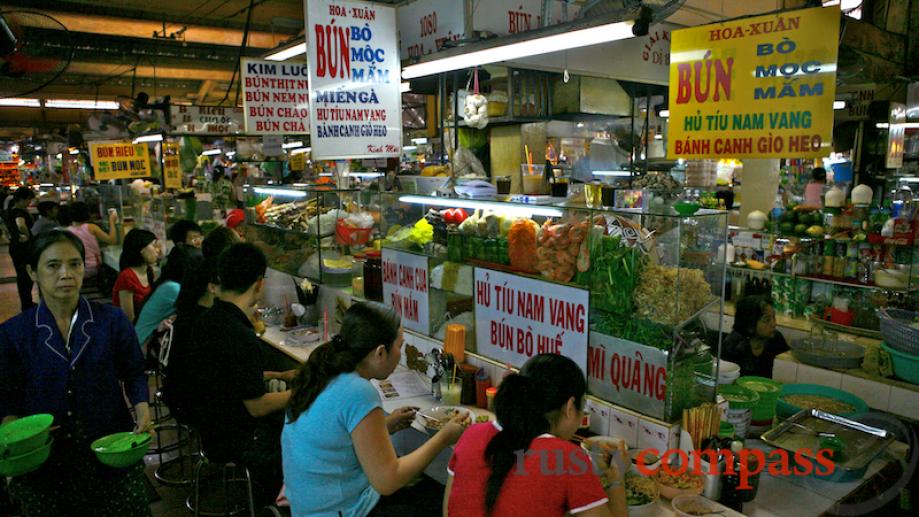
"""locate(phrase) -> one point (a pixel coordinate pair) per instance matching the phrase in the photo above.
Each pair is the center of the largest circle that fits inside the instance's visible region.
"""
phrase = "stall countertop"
(803, 325)
(777, 496)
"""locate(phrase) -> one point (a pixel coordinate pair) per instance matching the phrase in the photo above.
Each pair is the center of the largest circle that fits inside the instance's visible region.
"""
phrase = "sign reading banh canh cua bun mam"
(119, 160)
(405, 288)
(354, 70)
(760, 87)
(518, 317)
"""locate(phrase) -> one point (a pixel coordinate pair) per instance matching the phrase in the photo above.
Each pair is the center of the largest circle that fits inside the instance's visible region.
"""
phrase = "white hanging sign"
(354, 74)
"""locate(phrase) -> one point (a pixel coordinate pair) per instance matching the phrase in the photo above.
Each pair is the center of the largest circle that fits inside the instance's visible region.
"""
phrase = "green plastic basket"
(121, 450)
(24, 463)
(24, 435)
(785, 409)
(905, 366)
(768, 391)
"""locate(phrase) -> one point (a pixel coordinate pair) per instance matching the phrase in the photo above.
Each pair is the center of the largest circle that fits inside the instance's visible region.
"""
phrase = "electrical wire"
(242, 48)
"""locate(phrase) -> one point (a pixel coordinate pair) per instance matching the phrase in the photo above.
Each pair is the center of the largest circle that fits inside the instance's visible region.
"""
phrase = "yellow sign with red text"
(172, 169)
(119, 160)
(760, 87)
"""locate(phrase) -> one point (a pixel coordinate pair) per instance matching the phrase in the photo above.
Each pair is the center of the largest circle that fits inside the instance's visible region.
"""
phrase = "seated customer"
(755, 342)
(47, 217)
(186, 233)
(162, 302)
(239, 421)
(140, 252)
(338, 456)
(538, 411)
(91, 235)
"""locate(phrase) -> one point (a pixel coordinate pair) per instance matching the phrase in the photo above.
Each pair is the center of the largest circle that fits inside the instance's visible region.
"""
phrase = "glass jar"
(357, 275)
(373, 276)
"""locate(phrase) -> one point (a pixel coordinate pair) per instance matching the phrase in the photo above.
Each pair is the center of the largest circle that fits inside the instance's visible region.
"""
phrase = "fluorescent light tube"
(292, 145)
(74, 151)
(658, 136)
(231, 154)
(516, 210)
(301, 150)
(409, 147)
(838, 105)
(21, 103)
(882, 125)
(280, 192)
(532, 47)
(287, 53)
(148, 138)
(365, 174)
(404, 87)
(419, 141)
(211, 152)
(618, 174)
(81, 104)
(665, 113)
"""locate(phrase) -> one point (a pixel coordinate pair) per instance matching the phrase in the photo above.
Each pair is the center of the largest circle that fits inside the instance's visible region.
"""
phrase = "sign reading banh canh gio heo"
(759, 87)
(354, 70)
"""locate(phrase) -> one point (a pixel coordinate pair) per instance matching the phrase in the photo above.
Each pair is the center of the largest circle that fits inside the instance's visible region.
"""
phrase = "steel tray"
(861, 443)
(828, 354)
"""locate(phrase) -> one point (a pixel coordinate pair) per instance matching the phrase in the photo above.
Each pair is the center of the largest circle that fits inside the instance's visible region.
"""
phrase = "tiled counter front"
(899, 398)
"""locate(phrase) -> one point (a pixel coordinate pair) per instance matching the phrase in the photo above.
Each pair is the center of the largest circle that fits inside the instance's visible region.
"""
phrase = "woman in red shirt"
(139, 254)
(524, 464)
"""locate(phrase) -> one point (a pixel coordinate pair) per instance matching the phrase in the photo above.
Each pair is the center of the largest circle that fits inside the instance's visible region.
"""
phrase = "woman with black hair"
(755, 342)
(78, 361)
(162, 302)
(139, 253)
(19, 222)
(524, 463)
(337, 454)
(185, 233)
(91, 235)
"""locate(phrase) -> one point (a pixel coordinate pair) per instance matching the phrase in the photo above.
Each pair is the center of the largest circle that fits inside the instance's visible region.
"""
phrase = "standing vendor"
(755, 342)
(70, 357)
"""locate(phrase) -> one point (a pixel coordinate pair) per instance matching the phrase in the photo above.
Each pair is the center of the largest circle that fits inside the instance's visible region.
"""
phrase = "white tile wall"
(599, 417)
(624, 424)
(810, 375)
(875, 394)
(904, 402)
(785, 371)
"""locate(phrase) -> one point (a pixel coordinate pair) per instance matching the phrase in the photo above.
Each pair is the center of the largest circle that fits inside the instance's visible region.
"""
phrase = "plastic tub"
(785, 409)
(905, 366)
(897, 332)
(24, 463)
(741, 402)
(121, 450)
(768, 391)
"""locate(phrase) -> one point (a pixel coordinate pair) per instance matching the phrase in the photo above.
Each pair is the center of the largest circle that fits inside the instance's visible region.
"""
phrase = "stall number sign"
(119, 160)
(760, 87)
(405, 288)
(275, 97)
(627, 373)
(172, 169)
(518, 317)
(355, 73)
(202, 120)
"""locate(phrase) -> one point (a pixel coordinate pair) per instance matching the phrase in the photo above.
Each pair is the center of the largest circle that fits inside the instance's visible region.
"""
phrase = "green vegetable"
(615, 270)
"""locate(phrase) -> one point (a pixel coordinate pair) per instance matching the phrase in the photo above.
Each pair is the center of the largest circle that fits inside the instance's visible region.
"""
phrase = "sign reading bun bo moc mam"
(354, 78)
(760, 87)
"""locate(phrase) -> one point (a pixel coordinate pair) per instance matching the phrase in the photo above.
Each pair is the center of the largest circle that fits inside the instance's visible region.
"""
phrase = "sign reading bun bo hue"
(518, 317)
(760, 87)
(405, 288)
(354, 78)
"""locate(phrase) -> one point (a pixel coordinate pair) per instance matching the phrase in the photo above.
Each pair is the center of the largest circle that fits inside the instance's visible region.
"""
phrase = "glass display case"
(649, 274)
(313, 232)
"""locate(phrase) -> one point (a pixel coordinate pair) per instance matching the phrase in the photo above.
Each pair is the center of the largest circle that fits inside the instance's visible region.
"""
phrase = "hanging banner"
(172, 168)
(518, 317)
(275, 97)
(425, 25)
(203, 120)
(405, 288)
(354, 77)
(119, 160)
(760, 87)
(297, 162)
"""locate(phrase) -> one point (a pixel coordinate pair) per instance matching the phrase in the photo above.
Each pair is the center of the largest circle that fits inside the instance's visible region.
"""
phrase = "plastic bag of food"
(521, 245)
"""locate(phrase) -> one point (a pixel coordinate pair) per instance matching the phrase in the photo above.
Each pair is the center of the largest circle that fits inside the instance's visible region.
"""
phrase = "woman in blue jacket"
(70, 357)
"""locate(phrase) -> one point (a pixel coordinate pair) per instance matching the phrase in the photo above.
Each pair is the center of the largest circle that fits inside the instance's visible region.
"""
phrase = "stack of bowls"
(741, 402)
(25, 444)
(764, 412)
(728, 372)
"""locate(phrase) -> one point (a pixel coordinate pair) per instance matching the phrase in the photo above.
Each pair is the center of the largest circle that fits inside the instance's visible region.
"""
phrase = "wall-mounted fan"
(35, 50)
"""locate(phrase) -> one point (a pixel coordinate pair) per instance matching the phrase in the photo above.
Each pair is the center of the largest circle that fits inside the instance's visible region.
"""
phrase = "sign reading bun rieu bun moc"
(354, 77)
(760, 87)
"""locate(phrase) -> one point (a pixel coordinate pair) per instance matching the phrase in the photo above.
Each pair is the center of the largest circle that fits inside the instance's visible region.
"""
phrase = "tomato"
(454, 215)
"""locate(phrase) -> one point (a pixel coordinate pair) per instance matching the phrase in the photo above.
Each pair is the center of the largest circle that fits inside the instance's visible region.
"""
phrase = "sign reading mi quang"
(760, 87)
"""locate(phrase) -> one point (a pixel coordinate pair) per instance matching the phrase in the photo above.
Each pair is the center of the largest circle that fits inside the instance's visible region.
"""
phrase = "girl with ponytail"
(337, 454)
(524, 463)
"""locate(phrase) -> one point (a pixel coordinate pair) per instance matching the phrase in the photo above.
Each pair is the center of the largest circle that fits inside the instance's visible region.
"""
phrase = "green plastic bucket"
(24, 435)
(741, 402)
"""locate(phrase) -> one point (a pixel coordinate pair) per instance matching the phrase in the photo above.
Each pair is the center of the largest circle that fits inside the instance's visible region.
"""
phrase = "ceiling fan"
(28, 61)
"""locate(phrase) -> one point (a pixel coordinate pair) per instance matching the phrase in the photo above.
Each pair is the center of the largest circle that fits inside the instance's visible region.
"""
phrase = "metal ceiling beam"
(144, 29)
(174, 20)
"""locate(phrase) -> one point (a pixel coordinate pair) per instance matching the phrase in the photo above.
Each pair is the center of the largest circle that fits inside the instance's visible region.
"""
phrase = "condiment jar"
(490, 397)
(373, 276)
(357, 275)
